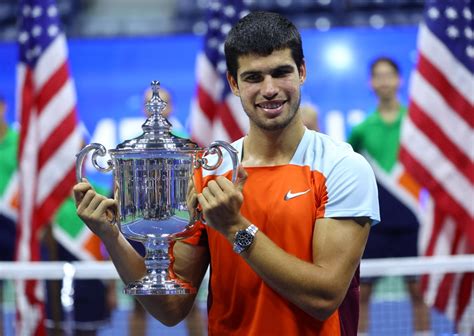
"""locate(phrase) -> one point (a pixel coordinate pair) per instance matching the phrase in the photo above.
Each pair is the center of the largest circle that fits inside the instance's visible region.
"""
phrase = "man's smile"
(272, 107)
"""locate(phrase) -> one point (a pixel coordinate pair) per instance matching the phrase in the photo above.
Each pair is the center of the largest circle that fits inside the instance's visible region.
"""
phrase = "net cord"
(373, 267)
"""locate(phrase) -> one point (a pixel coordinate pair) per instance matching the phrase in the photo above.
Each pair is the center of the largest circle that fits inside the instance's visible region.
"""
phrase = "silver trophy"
(151, 177)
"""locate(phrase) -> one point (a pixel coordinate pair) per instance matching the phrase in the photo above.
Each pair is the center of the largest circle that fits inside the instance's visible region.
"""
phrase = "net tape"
(105, 269)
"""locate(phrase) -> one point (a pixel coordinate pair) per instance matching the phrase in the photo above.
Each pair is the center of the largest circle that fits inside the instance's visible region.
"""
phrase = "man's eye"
(253, 78)
(280, 73)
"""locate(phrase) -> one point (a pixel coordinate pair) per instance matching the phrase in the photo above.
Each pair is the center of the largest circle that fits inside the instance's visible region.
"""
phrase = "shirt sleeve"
(352, 190)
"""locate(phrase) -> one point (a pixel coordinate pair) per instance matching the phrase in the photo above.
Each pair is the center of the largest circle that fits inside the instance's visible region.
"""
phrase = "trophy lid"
(156, 130)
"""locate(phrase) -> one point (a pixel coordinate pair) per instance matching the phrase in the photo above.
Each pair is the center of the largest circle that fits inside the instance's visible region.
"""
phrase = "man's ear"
(302, 72)
(234, 86)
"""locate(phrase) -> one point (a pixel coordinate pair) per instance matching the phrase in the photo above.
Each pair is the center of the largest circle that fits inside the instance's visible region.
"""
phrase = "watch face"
(244, 239)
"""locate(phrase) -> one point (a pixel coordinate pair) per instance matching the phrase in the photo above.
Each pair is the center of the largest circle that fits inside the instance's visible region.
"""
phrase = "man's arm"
(318, 287)
(190, 261)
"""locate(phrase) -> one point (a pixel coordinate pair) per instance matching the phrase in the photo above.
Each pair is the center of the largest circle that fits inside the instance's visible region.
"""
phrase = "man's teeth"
(270, 106)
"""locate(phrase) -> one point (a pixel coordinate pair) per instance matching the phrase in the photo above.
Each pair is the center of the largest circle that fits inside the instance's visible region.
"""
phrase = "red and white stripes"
(437, 149)
(212, 118)
(49, 140)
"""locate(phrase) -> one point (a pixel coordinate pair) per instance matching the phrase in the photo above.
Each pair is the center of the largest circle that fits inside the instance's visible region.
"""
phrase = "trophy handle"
(214, 148)
(101, 151)
(98, 150)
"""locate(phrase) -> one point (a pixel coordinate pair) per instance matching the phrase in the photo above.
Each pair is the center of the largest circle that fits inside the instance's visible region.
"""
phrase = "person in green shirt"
(378, 138)
(8, 167)
(8, 149)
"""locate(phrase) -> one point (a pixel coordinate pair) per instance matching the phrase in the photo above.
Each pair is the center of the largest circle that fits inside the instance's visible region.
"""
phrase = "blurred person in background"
(178, 129)
(309, 114)
(378, 138)
(9, 140)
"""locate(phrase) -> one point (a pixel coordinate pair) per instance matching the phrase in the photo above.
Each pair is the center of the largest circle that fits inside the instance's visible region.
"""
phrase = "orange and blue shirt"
(325, 178)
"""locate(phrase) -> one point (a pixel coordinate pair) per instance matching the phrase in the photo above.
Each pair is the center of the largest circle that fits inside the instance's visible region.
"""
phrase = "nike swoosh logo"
(289, 195)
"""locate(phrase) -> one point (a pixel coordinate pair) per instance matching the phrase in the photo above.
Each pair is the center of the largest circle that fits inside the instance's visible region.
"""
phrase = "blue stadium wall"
(111, 75)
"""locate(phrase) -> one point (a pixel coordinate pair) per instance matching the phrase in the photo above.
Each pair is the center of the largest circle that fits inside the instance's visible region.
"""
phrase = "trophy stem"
(160, 278)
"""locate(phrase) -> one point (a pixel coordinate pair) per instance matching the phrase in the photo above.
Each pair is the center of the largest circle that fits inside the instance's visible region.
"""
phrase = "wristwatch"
(244, 238)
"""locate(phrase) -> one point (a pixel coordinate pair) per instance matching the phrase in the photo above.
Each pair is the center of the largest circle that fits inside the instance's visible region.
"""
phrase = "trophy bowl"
(151, 176)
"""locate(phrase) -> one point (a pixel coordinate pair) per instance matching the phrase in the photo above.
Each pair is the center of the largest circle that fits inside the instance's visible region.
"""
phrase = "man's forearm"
(127, 261)
(305, 284)
(168, 309)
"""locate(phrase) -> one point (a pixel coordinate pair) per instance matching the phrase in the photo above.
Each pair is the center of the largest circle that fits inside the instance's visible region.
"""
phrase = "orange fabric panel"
(240, 302)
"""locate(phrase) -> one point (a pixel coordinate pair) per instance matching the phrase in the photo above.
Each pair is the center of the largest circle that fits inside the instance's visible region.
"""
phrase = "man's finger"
(94, 203)
(241, 178)
(192, 200)
(203, 201)
(80, 190)
(215, 188)
(190, 185)
(86, 199)
(108, 207)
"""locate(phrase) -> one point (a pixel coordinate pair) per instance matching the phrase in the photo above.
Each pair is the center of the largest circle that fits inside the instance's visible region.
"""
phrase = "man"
(284, 243)
(378, 137)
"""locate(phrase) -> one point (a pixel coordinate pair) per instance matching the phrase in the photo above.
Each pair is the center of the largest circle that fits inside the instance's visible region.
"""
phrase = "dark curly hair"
(261, 33)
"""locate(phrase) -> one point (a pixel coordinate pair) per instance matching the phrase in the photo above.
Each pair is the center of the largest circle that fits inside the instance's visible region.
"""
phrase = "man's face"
(385, 81)
(269, 88)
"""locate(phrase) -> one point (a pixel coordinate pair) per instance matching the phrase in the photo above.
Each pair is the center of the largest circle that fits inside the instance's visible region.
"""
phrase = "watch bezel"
(243, 239)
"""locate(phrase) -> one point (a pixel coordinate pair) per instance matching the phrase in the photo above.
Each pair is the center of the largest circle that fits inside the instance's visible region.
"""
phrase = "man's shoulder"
(321, 152)
(340, 155)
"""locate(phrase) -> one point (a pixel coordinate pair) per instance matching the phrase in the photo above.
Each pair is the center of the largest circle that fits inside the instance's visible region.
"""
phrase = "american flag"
(215, 112)
(49, 139)
(438, 147)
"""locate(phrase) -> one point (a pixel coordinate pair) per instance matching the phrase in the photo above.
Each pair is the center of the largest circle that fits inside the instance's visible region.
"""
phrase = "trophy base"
(149, 286)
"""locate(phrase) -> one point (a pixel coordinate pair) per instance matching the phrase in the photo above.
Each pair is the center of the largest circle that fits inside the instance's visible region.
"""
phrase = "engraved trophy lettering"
(151, 176)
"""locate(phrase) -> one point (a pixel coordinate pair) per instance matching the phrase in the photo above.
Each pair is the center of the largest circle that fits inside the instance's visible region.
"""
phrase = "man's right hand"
(96, 210)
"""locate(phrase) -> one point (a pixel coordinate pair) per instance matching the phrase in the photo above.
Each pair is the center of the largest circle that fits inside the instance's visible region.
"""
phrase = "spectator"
(378, 137)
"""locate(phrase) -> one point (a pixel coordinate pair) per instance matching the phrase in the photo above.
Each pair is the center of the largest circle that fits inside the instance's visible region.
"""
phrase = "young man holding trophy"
(284, 241)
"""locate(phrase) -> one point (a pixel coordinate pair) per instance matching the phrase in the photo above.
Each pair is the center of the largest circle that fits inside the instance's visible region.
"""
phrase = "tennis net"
(391, 307)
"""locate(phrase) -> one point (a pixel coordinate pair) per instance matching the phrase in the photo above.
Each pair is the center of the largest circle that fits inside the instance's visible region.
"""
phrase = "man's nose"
(269, 88)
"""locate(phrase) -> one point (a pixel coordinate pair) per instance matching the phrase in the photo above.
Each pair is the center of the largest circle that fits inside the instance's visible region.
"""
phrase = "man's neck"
(271, 148)
(389, 109)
